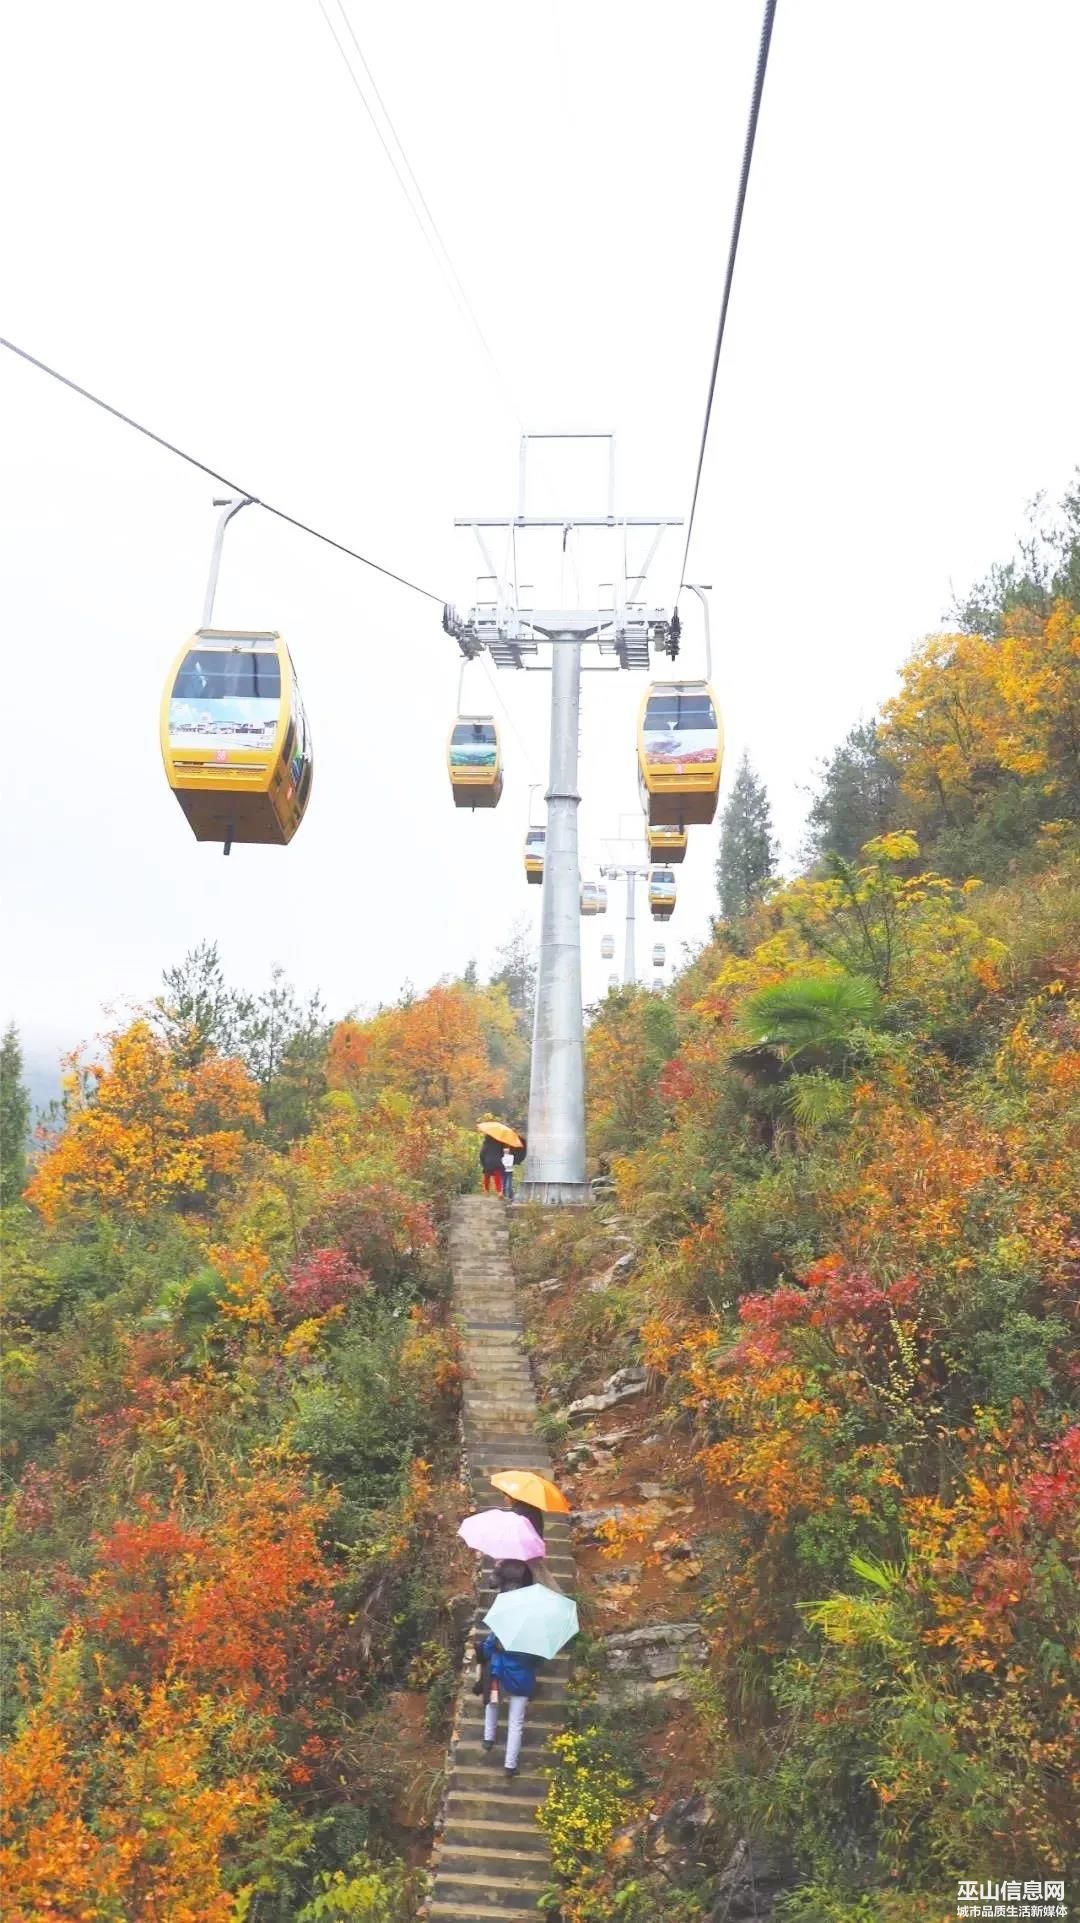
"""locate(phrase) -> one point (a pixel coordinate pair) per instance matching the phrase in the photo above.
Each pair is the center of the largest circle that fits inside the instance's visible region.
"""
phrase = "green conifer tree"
(14, 1118)
(747, 859)
(858, 797)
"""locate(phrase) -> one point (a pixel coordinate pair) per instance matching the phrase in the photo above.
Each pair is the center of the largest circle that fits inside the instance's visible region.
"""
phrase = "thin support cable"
(512, 724)
(733, 248)
(234, 487)
(440, 252)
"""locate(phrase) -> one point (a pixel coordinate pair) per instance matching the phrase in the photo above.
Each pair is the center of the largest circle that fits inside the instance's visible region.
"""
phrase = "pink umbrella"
(502, 1533)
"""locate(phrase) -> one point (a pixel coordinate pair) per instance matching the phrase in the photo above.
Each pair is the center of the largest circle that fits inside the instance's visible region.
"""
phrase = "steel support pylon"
(629, 974)
(556, 1152)
(624, 627)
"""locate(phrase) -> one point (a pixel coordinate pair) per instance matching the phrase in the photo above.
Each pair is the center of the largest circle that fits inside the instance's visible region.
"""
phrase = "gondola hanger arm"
(231, 503)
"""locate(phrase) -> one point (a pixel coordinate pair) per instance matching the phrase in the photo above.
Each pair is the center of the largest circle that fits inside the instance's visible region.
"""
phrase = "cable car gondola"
(234, 737)
(607, 948)
(666, 844)
(680, 751)
(475, 762)
(659, 954)
(535, 843)
(593, 898)
(612, 984)
(661, 893)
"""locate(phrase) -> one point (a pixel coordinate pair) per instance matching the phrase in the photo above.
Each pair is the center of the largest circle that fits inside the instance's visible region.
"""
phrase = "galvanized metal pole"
(556, 1150)
(630, 954)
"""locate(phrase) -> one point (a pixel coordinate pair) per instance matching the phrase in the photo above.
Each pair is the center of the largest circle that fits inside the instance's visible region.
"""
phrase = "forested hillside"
(231, 1451)
(837, 1239)
(843, 1240)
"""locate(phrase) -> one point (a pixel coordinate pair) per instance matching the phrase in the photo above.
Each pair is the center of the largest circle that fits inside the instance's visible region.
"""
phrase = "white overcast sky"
(198, 222)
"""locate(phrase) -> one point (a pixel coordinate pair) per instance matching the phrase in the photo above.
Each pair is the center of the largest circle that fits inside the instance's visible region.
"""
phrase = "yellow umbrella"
(500, 1133)
(527, 1486)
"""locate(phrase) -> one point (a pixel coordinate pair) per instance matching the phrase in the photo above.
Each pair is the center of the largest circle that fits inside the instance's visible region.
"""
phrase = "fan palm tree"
(809, 1022)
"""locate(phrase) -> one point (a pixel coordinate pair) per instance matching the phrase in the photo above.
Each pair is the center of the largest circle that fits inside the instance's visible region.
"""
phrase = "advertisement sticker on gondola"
(235, 721)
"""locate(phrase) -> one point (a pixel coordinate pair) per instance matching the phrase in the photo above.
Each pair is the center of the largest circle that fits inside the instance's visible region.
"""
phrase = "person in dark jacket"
(531, 1514)
(507, 1672)
(491, 1154)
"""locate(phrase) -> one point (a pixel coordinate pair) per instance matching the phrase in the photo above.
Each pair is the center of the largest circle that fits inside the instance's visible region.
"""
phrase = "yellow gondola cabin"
(667, 844)
(661, 894)
(535, 844)
(234, 737)
(474, 760)
(680, 752)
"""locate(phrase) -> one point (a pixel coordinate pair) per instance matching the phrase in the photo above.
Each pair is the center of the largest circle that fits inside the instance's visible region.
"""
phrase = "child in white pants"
(515, 1728)
(507, 1672)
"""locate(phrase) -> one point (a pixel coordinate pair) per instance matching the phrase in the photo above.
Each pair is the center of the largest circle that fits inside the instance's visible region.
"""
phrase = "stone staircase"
(492, 1860)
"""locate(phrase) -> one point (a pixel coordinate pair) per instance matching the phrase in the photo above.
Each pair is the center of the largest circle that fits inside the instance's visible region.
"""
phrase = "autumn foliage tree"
(850, 1175)
(441, 1050)
(985, 730)
(231, 1409)
(143, 1130)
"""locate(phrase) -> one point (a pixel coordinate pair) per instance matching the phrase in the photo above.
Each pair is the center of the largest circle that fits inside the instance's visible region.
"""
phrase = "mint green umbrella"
(534, 1622)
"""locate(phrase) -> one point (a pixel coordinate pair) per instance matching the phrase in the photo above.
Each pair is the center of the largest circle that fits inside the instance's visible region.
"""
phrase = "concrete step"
(498, 1394)
(485, 1805)
(501, 1385)
(502, 1375)
(502, 1417)
(470, 1911)
(487, 1449)
(545, 1712)
(491, 1780)
(502, 1861)
(493, 1860)
(535, 1452)
(525, 1838)
(499, 1426)
(485, 1397)
(471, 1754)
(488, 1887)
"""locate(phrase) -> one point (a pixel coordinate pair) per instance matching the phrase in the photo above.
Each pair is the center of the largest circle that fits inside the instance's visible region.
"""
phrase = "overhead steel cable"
(733, 248)
(439, 251)
(234, 487)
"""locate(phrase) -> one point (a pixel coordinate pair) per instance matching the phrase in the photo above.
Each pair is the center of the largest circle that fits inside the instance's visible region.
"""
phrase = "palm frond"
(810, 1011)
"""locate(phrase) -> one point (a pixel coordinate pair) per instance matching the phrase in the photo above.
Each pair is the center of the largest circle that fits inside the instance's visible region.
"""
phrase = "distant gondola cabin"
(680, 752)
(234, 737)
(661, 893)
(593, 898)
(535, 844)
(475, 762)
(667, 844)
(607, 948)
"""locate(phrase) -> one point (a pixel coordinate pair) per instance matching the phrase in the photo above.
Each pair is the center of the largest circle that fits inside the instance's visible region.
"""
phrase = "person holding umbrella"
(491, 1164)
(527, 1624)
(495, 1138)
(513, 1545)
(531, 1495)
(504, 1671)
